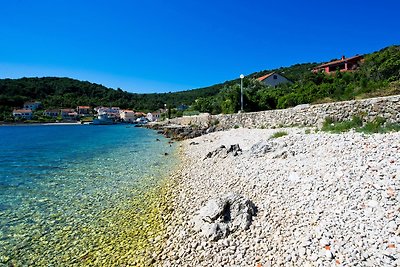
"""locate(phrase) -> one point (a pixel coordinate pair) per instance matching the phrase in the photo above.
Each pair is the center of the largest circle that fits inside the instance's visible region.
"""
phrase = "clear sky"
(159, 46)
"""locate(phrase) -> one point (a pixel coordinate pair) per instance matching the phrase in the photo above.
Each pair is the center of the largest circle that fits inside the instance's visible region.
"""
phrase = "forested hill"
(56, 92)
(68, 93)
(378, 75)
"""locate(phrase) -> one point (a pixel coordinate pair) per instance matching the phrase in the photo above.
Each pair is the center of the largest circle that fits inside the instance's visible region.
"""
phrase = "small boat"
(103, 119)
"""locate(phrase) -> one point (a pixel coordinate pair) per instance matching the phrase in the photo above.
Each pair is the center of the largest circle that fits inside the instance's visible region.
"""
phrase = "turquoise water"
(61, 188)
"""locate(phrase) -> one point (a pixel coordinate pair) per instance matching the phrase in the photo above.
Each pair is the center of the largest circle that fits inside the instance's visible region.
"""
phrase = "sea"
(75, 194)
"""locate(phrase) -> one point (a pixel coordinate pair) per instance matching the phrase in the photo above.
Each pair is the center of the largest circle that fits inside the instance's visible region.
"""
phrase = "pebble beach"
(321, 199)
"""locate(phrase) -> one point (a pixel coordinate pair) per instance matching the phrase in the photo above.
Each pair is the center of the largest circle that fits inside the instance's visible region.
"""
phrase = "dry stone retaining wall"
(303, 115)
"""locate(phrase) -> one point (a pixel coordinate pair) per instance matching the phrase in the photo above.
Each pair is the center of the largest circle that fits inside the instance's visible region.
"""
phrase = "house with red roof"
(342, 65)
(22, 114)
(273, 79)
(83, 110)
(68, 114)
(127, 115)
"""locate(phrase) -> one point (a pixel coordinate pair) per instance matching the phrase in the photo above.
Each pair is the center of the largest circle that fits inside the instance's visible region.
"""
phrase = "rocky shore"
(245, 199)
(182, 132)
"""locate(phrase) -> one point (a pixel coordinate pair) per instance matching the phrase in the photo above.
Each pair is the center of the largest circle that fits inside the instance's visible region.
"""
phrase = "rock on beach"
(322, 200)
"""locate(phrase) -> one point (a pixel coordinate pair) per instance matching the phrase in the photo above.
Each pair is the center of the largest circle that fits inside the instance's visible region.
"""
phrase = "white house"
(22, 114)
(127, 115)
(32, 105)
(154, 116)
(273, 79)
(112, 112)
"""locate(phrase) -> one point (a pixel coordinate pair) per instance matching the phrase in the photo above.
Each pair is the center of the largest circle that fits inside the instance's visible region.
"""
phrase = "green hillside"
(378, 75)
(68, 93)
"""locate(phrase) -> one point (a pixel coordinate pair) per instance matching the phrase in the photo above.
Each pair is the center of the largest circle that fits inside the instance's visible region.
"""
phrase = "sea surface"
(70, 195)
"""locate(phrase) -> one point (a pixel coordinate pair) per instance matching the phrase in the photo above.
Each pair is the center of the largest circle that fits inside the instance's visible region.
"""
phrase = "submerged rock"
(224, 215)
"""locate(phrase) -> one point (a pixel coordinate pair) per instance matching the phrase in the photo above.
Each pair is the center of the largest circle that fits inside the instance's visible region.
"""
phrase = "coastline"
(43, 124)
(322, 199)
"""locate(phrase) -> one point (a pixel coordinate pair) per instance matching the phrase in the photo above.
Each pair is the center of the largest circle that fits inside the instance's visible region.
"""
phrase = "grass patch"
(279, 134)
(378, 125)
(191, 113)
(343, 126)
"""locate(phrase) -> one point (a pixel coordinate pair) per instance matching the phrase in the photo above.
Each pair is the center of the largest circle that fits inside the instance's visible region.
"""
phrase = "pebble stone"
(323, 199)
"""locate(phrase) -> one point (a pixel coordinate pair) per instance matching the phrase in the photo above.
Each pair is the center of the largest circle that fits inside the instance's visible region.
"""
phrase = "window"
(275, 77)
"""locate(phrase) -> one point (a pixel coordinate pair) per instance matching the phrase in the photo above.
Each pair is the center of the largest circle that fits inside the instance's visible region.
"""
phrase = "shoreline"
(43, 124)
(322, 199)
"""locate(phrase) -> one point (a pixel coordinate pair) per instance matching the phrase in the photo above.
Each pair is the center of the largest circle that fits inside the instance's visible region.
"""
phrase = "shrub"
(342, 126)
(279, 134)
(375, 126)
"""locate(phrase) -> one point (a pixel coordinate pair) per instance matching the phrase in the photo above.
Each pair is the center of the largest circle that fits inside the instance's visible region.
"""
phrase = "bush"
(378, 125)
(375, 126)
(279, 134)
(343, 126)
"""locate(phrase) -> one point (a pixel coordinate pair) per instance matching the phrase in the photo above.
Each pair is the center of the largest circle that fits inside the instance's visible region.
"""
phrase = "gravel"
(322, 199)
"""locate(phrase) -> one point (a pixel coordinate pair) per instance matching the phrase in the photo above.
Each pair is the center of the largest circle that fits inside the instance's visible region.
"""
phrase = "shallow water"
(71, 195)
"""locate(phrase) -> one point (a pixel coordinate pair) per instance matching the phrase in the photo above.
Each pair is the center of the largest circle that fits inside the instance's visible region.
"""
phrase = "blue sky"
(161, 46)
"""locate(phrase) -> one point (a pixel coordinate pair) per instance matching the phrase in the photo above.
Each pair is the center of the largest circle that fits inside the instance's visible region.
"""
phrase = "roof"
(84, 107)
(22, 111)
(343, 60)
(67, 110)
(262, 78)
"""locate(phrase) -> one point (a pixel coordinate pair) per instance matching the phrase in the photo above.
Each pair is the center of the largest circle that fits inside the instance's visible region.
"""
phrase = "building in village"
(153, 116)
(23, 114)
(273, 79)
(344, 64)
(127, 115)
(112, 112)
(83, 110)
(51, 113)
(68, 114)
(32, 105)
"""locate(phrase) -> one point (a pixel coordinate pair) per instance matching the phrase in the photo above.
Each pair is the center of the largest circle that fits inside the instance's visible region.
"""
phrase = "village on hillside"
(34, 111)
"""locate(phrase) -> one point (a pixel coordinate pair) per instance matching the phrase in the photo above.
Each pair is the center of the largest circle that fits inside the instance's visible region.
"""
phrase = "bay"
(73, 195)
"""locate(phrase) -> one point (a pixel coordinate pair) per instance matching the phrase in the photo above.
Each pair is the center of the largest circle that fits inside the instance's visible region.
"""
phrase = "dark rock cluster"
(180, 132)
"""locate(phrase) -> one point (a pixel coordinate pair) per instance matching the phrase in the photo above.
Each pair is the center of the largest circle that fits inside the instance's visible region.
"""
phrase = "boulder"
(224, 215)
(223, 152)
(263, 147)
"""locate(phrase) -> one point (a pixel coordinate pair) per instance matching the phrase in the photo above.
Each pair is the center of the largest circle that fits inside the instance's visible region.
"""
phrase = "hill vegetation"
(378, 75)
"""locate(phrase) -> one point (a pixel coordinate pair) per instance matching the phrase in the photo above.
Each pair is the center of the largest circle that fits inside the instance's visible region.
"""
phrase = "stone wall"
(303, 115)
